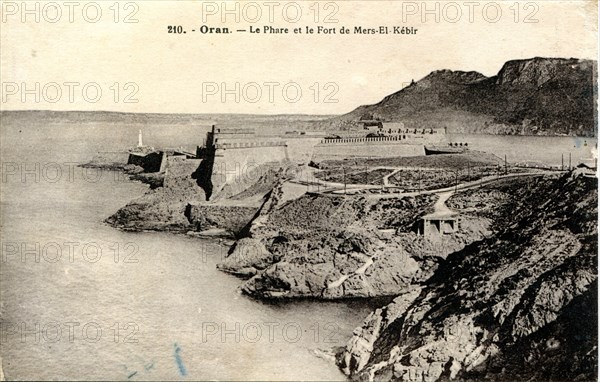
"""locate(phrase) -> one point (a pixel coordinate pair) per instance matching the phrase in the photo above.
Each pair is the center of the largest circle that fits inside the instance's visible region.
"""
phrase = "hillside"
(335, 246)
(518, 305)
(545, 96)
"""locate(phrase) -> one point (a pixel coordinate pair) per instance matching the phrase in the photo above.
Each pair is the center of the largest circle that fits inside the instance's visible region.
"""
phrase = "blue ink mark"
(178, 360)
(579, 143)
(131, 375)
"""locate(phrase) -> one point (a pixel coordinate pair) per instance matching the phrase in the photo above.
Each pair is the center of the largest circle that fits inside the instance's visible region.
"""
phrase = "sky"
(120, 56)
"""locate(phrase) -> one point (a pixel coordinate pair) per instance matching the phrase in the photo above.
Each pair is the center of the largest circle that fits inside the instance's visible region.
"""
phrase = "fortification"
(181, 171)
(234, 154)
(436, 225)
(237, 155)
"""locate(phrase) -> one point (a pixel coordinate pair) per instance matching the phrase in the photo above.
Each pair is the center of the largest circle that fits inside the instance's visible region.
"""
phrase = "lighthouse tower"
(140, 149)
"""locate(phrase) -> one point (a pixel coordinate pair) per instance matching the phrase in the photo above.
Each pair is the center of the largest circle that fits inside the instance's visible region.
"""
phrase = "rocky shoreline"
(519, 305)
(509, 278)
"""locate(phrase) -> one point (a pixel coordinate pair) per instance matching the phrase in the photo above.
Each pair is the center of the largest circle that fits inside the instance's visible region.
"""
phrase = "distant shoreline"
(304, 122)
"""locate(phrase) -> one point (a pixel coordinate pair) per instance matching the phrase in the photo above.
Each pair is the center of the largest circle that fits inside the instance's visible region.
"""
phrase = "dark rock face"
(181, 206)
(335, 247)
(162, 209)
(563, 350)
(204, 217)
(518, 305)
(247, 257)
(565, 100)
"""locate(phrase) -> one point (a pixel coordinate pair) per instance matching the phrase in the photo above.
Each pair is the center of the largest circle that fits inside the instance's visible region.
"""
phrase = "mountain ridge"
(537, 96)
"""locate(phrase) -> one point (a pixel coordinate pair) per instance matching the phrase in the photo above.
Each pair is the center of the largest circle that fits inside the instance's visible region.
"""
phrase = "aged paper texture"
(299, 190)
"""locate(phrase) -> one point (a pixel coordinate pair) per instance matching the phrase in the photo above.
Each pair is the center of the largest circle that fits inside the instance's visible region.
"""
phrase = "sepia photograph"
(314, 190)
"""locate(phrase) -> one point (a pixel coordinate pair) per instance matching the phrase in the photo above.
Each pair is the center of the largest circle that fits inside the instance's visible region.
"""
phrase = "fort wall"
(366, 147)
(236, 155)
(235, 164)
(180, 171)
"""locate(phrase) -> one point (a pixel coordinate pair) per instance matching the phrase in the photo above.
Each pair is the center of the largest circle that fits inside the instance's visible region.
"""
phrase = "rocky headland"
(469, 102)
(335, 246)
(182, 206)
(520, 304)
(509, 295)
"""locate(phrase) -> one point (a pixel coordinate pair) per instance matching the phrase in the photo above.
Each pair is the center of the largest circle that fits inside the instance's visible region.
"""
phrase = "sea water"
(82, 300)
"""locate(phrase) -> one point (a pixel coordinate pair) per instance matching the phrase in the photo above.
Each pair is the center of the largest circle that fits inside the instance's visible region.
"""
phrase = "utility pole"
(569, 161)
(307, 183)
(469, 171)
(344, 170)
(318, 184)
(562, 162)
(505, 165)
(456, 181)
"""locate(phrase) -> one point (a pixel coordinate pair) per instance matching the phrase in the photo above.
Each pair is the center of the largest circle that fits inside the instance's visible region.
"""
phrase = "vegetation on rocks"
(518, 305)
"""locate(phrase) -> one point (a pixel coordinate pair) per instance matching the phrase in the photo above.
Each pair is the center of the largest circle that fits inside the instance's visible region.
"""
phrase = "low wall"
(235, 158)
(301, 150)
(250, 144)
(111, 158)
(374, 149)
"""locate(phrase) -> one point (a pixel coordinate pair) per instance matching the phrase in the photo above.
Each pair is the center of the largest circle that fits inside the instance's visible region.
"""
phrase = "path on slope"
(459, 187)
(439, 207)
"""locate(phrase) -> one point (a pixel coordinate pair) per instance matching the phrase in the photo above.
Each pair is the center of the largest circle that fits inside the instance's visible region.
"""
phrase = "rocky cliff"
(180, 205)
(327, 246)
(520, 304)
(545, 96)
(161, 209)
